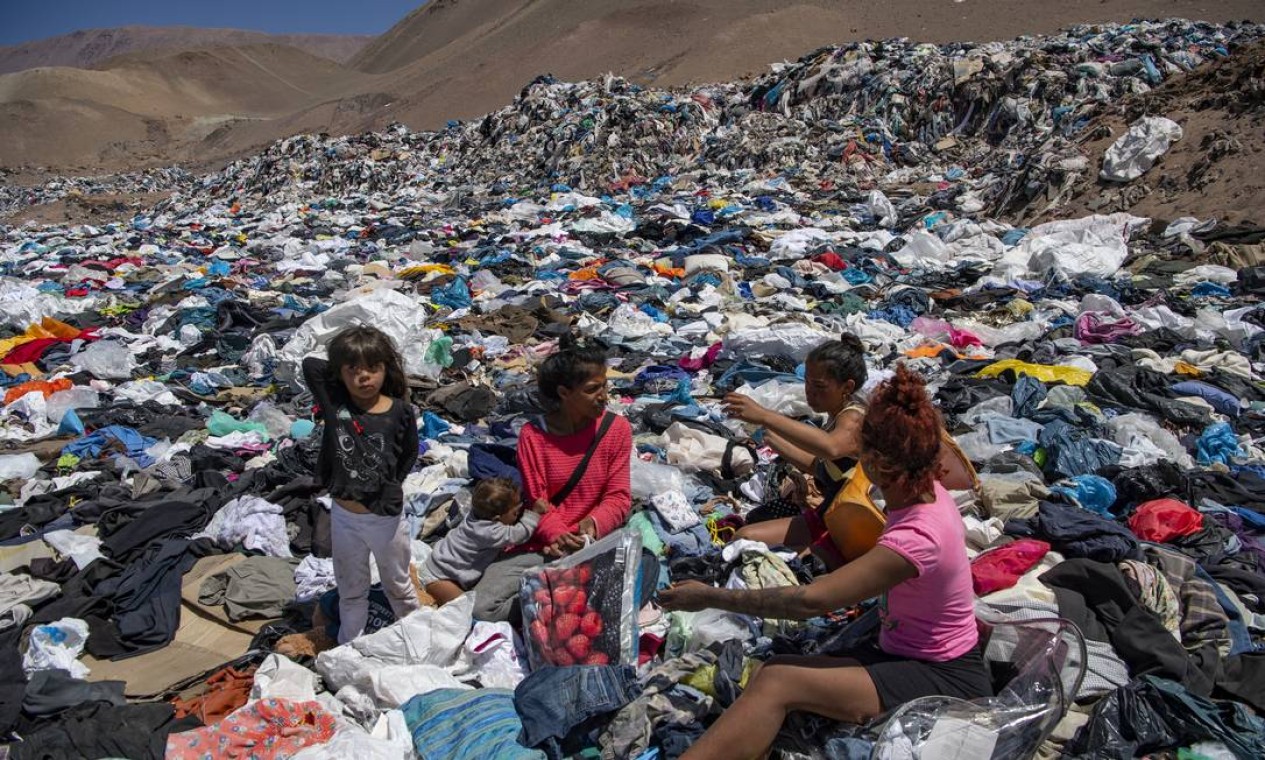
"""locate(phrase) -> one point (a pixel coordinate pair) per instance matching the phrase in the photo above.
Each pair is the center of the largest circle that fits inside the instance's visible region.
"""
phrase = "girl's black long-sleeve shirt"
(364, 457)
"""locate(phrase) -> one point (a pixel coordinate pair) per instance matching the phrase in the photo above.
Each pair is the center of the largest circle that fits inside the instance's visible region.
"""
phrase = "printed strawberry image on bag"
(582, 609)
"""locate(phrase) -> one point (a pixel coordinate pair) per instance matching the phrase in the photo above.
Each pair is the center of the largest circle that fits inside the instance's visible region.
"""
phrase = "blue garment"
(1075, 532)
(460, 724)
(1073, 453)
(1008, 430)
(493, 460)
(553, 701)
(1026, 396)
(1223, 402)
(456, 295)
(433, 426)
(1092, 492)
(1217, 444)
(133, 443)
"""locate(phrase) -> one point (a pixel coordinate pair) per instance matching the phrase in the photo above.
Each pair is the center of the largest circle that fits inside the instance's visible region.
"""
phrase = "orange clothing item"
(229, 690)
(47, 387)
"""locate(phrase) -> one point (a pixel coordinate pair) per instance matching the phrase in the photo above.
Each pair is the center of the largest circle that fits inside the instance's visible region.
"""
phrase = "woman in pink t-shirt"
(928, 643)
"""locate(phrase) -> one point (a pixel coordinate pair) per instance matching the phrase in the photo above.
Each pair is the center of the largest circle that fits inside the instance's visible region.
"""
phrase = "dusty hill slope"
(1217, 169)
(86, 48)
(146, 106)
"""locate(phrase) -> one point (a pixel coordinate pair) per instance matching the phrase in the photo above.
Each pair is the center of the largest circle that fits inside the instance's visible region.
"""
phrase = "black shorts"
(900, 679)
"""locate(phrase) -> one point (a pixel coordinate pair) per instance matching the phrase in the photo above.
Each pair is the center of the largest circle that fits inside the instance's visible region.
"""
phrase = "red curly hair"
(901, 431)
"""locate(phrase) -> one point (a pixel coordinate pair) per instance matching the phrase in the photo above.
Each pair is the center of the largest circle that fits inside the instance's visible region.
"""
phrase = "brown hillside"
(87, 48)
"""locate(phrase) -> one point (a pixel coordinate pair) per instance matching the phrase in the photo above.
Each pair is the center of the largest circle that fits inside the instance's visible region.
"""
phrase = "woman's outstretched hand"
(744, 408)
(687, 596)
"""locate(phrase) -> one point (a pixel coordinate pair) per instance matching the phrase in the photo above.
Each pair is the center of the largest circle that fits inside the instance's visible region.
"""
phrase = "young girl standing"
(368, 447)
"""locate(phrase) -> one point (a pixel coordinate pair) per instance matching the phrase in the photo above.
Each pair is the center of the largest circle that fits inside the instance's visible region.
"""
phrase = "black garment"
(900, 679)
(1094, 595)
(146, 600)
(1242, 677)
(1141, 388)
(466, 402)
(12, 678)
(1243, 489)
(53, 691)
(1153, 714)
(364, 457)
(78, 595)
(181, 516)
(137, 732)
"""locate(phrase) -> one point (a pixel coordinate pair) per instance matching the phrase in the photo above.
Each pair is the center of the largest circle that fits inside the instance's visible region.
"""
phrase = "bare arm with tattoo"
(870, 575)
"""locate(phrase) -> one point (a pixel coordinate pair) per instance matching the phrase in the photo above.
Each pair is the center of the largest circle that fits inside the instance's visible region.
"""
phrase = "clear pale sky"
(25, 20)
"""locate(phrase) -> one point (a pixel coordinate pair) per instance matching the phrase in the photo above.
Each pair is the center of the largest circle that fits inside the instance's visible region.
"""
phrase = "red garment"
(604, 493)
(1002, 567)
(702, 362)
(831, 260)
(1162, 520)
(30, 351)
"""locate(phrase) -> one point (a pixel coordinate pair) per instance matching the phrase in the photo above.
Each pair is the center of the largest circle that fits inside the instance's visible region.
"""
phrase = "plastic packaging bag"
(107, 360)
(582, 609)
(18, 466)
(57, 645)
(1137, 150)
(79, 397)
(782, 397)
(650, 479)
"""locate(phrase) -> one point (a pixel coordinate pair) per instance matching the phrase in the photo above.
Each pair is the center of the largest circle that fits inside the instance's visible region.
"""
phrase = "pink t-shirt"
(932, 615)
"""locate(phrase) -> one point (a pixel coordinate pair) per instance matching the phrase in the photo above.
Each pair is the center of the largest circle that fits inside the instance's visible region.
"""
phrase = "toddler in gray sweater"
(458, 560)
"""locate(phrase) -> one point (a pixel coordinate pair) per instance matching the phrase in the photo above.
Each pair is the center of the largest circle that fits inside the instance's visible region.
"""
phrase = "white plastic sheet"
(395, 314)
(1137, 150)
(429, 636)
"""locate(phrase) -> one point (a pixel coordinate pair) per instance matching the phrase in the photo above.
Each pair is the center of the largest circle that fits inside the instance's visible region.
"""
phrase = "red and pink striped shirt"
(604, 493)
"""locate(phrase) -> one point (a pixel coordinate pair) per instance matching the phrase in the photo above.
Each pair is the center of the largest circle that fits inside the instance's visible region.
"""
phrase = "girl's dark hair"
(569, 366)
(902, 429)
(844, 359)
(494, 497)
(364, 346)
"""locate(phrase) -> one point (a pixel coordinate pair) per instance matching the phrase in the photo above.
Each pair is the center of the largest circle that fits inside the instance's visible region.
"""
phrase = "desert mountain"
(86, 48)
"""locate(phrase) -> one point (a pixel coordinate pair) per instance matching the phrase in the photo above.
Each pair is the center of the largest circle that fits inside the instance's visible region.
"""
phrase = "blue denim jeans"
(554, 701)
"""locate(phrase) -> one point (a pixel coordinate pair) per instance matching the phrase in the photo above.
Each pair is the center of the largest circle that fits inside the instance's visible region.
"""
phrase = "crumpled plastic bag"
(18, 466)
(279, 677)
(1218, 444)
(106, 359)
(696, 451)
(429, 636)
(57, 646)
(651, 478)
(782, 397)
(395, 314)
(1095, 245)
(490, 657)
(1137, 150)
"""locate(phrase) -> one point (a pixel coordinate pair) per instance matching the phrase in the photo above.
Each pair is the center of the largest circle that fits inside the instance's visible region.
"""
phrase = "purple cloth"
(1096, 327)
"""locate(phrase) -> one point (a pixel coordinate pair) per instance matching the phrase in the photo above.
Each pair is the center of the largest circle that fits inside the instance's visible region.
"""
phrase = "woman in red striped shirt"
(572, 384)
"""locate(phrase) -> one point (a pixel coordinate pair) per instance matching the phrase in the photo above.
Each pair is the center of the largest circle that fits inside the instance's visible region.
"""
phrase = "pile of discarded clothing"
(165, 545)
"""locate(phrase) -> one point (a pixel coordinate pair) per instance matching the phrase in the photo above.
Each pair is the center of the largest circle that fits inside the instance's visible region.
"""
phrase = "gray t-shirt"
(463, 554)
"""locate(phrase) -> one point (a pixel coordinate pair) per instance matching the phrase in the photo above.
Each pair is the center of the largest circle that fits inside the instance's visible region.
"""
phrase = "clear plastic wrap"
(582, 609)
(1045, 661)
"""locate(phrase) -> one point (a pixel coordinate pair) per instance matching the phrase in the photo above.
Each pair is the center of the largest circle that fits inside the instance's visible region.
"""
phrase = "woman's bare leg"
(791, 532)
(443, 591)
(836, 687)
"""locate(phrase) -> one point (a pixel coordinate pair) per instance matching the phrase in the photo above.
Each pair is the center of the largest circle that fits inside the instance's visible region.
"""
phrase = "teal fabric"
(460, 724)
